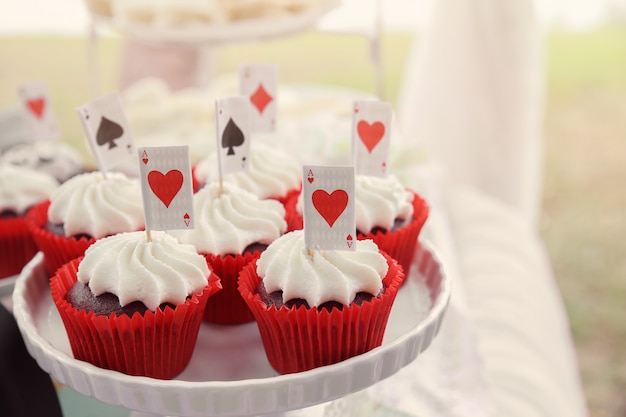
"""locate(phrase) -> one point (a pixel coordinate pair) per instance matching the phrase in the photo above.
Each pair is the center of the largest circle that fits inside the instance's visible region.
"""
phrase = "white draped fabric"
(473, 95)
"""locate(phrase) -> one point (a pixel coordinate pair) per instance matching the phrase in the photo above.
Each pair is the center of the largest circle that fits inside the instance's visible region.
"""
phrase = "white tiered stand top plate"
(229, 374)
(241, 30)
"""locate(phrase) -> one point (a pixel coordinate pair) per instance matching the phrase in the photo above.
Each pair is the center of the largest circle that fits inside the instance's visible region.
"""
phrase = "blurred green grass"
(583, 221)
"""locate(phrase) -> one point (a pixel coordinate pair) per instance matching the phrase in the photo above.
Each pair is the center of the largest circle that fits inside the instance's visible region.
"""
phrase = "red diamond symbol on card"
(260, 98)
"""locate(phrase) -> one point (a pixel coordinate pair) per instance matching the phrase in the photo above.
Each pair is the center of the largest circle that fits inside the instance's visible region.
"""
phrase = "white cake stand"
(229, 374)
(253, 29)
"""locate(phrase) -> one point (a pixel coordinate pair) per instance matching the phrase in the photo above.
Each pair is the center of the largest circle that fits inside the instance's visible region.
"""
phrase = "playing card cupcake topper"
(259, 82)
(107, 130)
(233, 134)
(38, 110)
(371, 137)
(166, 187)
(329, 209)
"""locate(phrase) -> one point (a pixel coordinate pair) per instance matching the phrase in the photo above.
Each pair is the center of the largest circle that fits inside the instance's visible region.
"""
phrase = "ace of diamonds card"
(371, 124)
(259, 82)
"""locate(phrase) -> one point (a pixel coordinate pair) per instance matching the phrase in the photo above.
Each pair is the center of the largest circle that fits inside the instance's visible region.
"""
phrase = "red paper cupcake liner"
(400, 244)
(299, 339)
(57, 250)
(17, 246)
(227, 306)
(295, 221)
(156, 344)
(289, 196)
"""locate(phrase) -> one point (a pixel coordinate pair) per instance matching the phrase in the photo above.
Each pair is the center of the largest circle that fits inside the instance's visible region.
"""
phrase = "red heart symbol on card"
(36, 106)
(370, 134)
(330, 206)
(165, 187)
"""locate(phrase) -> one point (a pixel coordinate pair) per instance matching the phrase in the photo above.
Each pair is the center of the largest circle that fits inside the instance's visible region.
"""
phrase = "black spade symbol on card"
(108, 132)
(231, 137)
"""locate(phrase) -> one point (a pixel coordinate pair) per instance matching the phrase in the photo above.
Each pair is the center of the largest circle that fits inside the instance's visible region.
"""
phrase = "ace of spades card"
(329, 209)
(166, 187)
(107, 129)
(371, 124)
(233, 134)
(38, 109)
(259, 82)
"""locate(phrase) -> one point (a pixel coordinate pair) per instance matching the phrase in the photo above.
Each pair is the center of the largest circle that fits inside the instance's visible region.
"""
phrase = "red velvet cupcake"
(232, 227)
(386, 212)
(133, 305)
(85, 208)
(20, 189)
(316, 308)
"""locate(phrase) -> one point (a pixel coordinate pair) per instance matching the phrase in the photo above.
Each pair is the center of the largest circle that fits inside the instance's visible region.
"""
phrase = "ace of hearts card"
(371, 123)
(329, 207)
(35, 100)
(166, 187)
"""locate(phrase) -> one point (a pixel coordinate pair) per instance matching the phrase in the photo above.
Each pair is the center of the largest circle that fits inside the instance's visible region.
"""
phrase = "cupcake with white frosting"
(232, 227)
(386, 212)
(272, 173)
(134, 305)
(55, 158)
(316, 308)
(20, 189)
(390, 215)
(85, 208)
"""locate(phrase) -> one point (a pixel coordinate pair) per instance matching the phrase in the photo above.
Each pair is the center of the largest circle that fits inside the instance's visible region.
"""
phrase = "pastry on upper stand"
(232, 228)
(319, 307)
(85, 208)
(20, 189)
(134, 305)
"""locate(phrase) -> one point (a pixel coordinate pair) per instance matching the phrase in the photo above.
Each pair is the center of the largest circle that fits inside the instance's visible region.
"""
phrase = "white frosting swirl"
(155, 272)
(379, 201)
(229, 221)
(58, 159)
(321, 276)
(22, 188)
(96, 205)
(271, 172)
